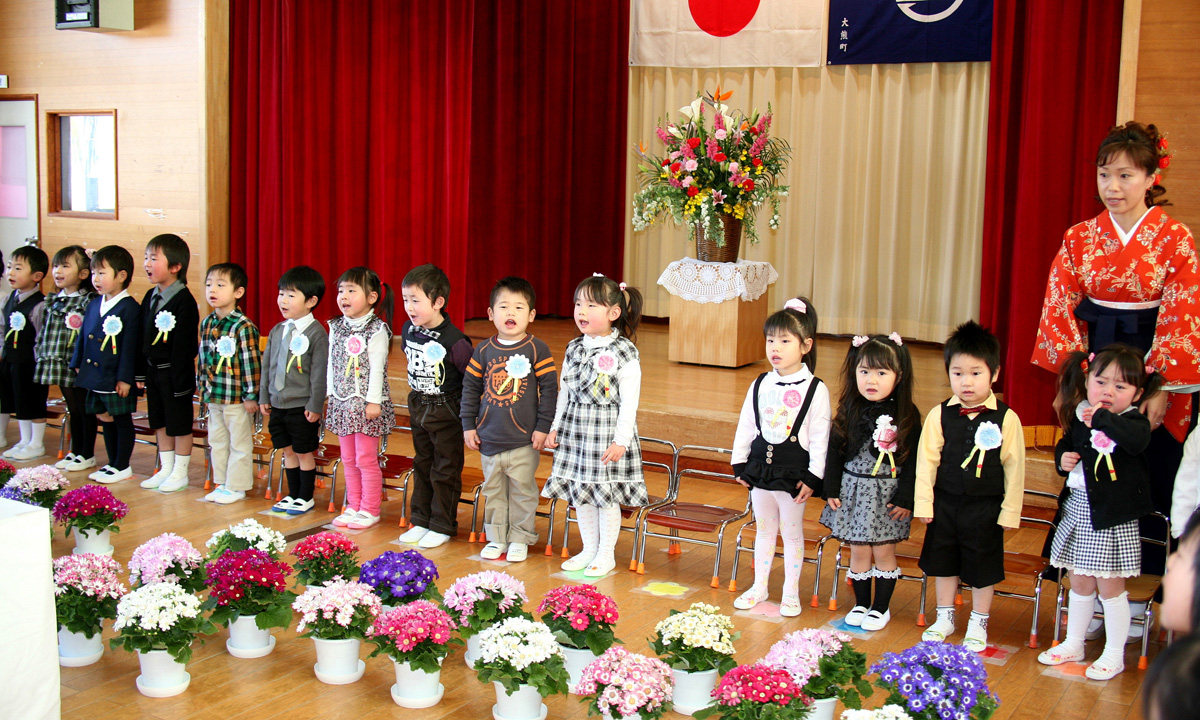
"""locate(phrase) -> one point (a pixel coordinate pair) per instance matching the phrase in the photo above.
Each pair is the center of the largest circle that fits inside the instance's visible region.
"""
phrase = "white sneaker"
(173, 484)
(345, 518)
(876, 620)
(492, 551)
(432, 539)
(517, 552)
(29, 452)
(80, 463)
(67, 460)
(941, 629)
(414, 535)
(158, 478)
(224, 496)
(299, 507)
(855, 617)
(363, 520)
(790, 606)
(750, 598)
(115, 476)
(13, 450)
(283, 505)
(975, 639)
(103, 472)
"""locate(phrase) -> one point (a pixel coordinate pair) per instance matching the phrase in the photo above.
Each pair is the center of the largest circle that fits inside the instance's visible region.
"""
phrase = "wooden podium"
(728, 334)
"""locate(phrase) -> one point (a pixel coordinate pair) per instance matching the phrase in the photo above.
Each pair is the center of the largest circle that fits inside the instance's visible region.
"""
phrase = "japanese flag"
(726, 33)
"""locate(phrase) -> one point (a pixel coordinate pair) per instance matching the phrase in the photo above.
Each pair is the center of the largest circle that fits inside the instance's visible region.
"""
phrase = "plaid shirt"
(56, 342)
(237, 380)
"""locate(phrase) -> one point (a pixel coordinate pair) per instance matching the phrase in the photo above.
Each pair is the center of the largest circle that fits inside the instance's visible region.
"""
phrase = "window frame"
(55, 169)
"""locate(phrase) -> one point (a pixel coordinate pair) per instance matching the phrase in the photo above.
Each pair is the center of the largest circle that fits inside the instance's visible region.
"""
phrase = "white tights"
(598, 529)
(777, 513)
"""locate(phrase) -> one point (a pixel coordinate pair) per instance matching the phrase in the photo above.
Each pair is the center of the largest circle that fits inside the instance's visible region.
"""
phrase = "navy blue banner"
(907, 31)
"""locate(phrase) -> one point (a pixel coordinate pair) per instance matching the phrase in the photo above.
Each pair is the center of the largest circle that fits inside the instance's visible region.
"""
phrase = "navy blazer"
(101, 370)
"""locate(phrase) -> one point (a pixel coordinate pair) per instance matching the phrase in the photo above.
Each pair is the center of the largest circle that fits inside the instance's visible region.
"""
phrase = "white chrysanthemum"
(520, 641)
(156, 607)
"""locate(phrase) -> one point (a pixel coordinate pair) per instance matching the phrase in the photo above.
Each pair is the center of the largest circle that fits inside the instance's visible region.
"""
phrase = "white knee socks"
(1116, 630)
(1079, 616)
(589, 532)
(610, 527)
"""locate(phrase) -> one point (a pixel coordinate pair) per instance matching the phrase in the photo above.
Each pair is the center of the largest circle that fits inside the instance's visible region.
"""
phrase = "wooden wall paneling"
(214, 119)
(152, 77)
(1168, 83)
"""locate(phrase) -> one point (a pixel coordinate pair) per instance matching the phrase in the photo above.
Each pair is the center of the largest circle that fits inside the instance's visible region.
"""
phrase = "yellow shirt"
(1012, 457)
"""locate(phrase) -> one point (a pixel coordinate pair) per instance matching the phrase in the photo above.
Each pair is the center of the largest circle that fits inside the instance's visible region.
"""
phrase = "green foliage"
(80, 613)
(549, 677)
(841, 675)
(271, 608)
(427, 656)
(177, 641)
(692, 659)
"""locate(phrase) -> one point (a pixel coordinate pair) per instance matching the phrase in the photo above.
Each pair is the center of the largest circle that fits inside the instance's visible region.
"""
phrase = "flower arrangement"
(324, 556)
(478, 601)
(86, 590)
(887, 712)
(16, 494)
(246, 535)
(520, 651)
(622, 684)
(249, 582)
(43, 484)
(727, 169)
(89, 508)
(757, 692)
(162, 616)
(419, 633)
(824, 664)
(7, 470)
(937, 681)
(167, 558)
(401, 577)
(337, 610)
(697, 639)
(580, 616)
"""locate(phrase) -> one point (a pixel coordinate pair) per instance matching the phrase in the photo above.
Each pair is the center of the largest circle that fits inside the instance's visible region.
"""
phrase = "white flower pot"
(162, 675)
(576, 660)
(247, 641)
(823, 709)
(416, 688)
(78, 650)
(337, 661)
(524, 704)
(95, 543)
(693, 690)
(472, 653)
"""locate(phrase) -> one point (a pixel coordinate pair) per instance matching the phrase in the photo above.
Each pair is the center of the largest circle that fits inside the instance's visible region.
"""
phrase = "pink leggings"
(364, 479)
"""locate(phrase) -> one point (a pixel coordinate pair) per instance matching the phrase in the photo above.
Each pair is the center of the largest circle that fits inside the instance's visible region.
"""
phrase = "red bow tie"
(972, 410)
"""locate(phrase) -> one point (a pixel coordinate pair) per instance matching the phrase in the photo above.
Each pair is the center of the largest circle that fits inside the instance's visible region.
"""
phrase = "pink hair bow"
(796, 304)
(1150, 369)
(895, 337)
(859, 340)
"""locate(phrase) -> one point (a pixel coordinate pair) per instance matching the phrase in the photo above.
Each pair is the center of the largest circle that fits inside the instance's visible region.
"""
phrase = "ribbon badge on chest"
(435, 353)
(987, 437)
(1104, 446)
(16, 323)
(164, 322)
(606, 366)
(354, 348)
(885, 441)
(517, 368)
(74, 323)
(226, 348)
(297, 347)
(112, 327)
(791, 401)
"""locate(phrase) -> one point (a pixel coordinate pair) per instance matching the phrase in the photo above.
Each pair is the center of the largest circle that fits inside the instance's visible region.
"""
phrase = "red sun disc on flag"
(723, 18)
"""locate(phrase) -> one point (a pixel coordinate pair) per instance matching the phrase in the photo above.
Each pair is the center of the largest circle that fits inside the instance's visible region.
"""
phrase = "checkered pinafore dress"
(346, 413)
(57, 341)
(587, 428)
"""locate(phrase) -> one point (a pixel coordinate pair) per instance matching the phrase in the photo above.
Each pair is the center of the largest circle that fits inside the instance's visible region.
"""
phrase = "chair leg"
(716, 582)
(550, 528)
(404, 500)
(637, 529)
(566, 540)
(837, 571)
(924, 596)
(1037, 603)
(474, 515)
(208, 468)
(1147, 624)
(1058, 604)
(333, 468)
(737, 555)
(641, 568)
(817, 581)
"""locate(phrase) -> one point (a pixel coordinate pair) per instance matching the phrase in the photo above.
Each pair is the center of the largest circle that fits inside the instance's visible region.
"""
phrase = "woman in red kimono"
(1130, 275)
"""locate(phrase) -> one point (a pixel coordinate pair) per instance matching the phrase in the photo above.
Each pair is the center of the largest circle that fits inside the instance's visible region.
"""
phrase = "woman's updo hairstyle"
(1141, 144)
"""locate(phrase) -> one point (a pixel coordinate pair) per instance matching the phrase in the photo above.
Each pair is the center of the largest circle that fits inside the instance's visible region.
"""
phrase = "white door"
(18, 173)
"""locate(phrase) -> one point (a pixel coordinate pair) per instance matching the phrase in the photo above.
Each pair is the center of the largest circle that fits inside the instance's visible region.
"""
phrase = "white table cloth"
(28, 626)
(714, 282)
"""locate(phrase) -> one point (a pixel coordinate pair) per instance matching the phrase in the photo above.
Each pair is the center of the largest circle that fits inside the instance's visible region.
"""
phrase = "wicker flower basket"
(712, 249)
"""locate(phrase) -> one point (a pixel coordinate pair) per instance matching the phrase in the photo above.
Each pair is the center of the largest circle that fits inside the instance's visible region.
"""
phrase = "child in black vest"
(970, 483)
(1103, 456)
(437, 354)
(20, 395)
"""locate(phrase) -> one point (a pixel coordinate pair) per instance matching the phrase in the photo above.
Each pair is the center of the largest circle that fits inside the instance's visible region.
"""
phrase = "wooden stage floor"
(685, 404)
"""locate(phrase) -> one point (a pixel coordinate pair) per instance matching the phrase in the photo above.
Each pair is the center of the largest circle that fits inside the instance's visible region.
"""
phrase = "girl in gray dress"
(870, 470)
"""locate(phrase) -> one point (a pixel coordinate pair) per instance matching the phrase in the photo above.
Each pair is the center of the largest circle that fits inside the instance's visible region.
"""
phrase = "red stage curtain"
(480, 136)
(1053, 97)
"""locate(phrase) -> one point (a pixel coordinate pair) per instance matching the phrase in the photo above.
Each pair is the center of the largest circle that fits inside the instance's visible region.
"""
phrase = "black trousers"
(437, 464)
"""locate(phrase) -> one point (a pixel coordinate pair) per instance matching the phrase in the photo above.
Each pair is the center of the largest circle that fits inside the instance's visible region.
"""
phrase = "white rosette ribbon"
(885, 441)
(164, 322)
(226, 348)
(354, 348)
(987, 437)
(1104, 446)
(517, 368)
(297, 347)
(435, 353)
(112, 327)
(606, 367)
(16, 323)
(74, 323)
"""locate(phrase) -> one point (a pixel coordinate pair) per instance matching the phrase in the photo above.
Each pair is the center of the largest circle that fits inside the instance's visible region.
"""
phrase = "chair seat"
(54, 413)
(326, 451)
(691, 517)
(395, 466)
(1024, 564)
(1143, 587)
(471, 479)
(628, 511)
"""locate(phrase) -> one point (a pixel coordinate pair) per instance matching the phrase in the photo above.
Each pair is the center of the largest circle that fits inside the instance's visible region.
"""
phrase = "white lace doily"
(714, 282)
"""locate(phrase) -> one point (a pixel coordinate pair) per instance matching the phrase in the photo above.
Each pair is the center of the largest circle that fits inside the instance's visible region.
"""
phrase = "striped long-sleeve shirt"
(509, 392)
